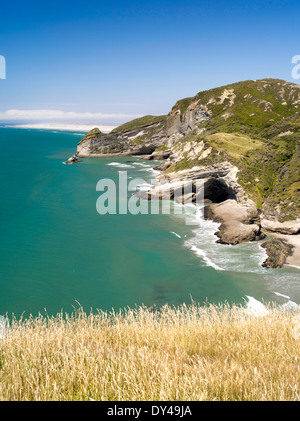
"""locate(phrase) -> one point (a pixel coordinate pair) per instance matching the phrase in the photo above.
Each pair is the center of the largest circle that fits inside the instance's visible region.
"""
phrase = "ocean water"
(56, 251)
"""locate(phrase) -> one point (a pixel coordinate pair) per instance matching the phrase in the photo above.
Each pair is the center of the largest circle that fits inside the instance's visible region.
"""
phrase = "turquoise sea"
(56, 251)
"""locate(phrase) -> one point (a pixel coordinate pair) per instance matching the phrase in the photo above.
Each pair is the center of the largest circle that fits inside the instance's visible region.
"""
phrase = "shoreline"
(105, 155)
(231, 219)
(294, 240)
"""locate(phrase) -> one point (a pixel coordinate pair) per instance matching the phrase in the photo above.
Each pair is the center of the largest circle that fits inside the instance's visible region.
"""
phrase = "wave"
(141, 164)
(175, 233)
(120, 165)
(155, 172)
(290, 307)
(255, 307)
(204, 244)
(144, 186)
(282, 295)
(150, 169)
(204, 235)
(292, 266)
(201, 253)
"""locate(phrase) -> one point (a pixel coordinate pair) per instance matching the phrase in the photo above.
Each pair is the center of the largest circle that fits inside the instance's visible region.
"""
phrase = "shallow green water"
(56, 249)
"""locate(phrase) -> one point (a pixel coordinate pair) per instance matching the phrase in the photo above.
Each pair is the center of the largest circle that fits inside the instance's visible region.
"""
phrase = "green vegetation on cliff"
(94, 133)
(137, 123)
(250, 106)
(256, 126)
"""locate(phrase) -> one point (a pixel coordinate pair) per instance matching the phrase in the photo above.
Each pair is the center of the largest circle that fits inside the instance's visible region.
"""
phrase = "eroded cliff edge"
(242, 139)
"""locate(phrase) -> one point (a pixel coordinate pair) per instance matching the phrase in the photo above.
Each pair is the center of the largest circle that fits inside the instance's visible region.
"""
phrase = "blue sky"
(117, 59)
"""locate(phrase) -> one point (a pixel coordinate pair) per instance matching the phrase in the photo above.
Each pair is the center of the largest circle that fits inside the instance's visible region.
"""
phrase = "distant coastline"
(84, 128)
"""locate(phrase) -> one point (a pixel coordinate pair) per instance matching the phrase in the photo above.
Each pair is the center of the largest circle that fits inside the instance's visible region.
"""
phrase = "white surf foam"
(155, 172)
(2, 327)
(119, 165)
(244, 257)
(255, 307)
(292, 266)
(201, 253)
(290, 307)
(150, 169)
(201, 243)
(282, 295)
(175, 233)
(144, 186)
(141, 164)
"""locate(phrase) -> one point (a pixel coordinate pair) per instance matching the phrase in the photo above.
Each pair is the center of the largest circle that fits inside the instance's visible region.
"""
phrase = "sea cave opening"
(216, 191)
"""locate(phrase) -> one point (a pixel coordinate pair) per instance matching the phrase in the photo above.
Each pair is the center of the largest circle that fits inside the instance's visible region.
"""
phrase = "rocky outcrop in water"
(72, 160)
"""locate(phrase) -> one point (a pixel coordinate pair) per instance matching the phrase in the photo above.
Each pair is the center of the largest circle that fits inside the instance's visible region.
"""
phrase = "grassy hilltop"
(137, 123)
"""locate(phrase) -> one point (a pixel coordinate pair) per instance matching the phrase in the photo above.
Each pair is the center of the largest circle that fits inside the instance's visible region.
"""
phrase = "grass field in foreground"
(181, 353)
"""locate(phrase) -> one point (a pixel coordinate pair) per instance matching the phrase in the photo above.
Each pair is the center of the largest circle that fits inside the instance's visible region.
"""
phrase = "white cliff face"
(231, 180)
(83, 149)
(179, 125)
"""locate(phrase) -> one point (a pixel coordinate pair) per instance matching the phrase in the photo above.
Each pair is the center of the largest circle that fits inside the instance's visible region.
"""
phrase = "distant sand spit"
(68, 127)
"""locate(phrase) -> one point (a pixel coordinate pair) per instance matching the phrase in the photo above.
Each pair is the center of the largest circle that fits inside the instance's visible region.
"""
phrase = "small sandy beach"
(294, 240)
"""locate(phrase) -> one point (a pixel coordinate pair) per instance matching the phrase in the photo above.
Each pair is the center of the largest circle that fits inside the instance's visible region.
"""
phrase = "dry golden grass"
(184, 353)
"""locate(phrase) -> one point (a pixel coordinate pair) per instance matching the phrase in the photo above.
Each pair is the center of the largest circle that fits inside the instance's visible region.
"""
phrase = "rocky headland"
(243, 141)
